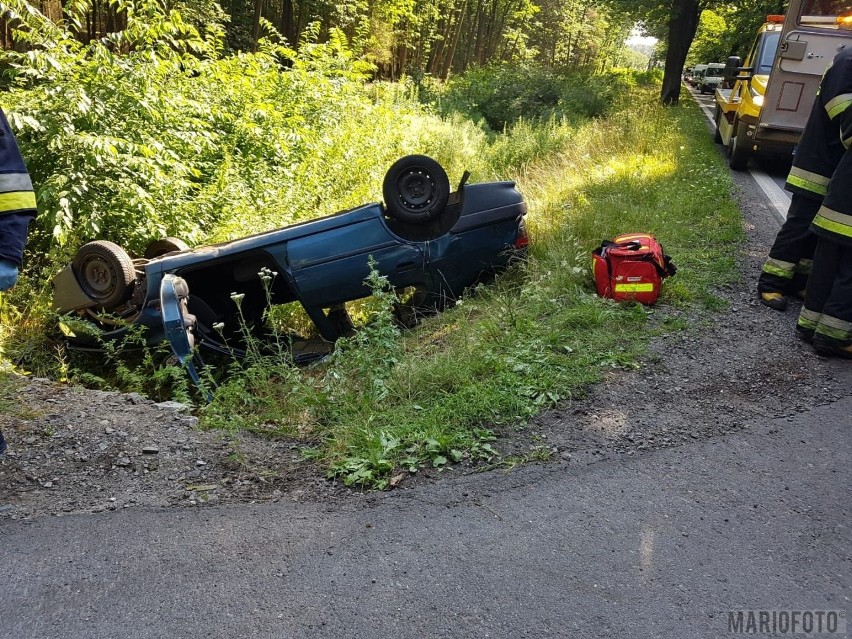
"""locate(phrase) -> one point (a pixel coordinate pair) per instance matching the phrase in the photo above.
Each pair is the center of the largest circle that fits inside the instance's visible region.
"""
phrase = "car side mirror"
(457, 198)
(179, 325)
(732, 69)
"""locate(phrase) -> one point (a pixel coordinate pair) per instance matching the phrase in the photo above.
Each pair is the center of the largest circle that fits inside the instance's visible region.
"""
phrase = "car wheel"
(738, 148)
(416, 189)
(165, 245)
(717, 135)
(105, 273)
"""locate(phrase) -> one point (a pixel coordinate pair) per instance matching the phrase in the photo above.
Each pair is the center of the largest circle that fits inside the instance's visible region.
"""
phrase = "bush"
(500, 95)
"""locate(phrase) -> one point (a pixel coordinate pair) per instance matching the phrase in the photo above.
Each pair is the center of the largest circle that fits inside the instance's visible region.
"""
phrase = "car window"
(767, 53)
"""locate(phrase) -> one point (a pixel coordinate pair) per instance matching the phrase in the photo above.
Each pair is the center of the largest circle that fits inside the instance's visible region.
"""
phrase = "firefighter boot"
(826, 346)
(774, 300)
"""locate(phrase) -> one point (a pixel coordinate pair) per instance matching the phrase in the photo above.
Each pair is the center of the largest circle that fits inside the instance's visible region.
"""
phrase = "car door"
(329, 266)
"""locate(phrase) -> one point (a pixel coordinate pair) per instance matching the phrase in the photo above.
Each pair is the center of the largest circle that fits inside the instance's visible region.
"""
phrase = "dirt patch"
(73, 450)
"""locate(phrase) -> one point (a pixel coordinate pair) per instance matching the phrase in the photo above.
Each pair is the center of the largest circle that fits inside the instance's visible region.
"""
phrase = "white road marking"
(708, 112)
(777, 196)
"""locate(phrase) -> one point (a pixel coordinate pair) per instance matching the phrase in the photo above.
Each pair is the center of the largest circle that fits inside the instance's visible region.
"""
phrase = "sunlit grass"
(538, 335)
(395, 402)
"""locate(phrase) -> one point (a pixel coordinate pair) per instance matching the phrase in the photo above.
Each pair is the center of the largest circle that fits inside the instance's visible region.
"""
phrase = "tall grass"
(539, 335)
(131, 148)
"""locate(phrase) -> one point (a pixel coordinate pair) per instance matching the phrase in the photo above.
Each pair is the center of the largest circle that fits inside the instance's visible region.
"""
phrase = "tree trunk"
(479, 47)
(437, 49)
(682, 26)
(451, 53)
(255, 24)
(285, 26)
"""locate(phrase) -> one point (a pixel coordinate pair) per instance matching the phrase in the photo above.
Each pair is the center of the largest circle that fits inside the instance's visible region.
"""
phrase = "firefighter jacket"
(821, 148)
(834, 218)
(17, 199)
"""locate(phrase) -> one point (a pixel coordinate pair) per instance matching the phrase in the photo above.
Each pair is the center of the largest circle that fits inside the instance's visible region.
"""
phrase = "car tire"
(738, 151)
(164, 245)
(416, 189)
(105, 273)
(717, 134)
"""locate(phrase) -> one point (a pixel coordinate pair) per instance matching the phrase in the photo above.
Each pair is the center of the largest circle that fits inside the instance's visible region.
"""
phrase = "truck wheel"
(416, 189)
(105, 273)
(717, 135)
(738, 147)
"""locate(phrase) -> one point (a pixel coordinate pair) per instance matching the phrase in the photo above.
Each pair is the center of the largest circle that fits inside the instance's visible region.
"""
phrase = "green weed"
(277, 146)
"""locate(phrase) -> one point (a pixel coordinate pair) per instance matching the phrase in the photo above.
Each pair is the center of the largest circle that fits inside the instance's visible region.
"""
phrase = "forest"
(438, 37)
(140, 120)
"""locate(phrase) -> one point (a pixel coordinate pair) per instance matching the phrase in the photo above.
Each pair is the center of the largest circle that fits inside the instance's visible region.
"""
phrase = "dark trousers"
(793, 244)
(830, 291)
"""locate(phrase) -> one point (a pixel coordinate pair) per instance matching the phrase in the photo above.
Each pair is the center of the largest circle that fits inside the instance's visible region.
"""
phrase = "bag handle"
(632, 245)
(665, 270)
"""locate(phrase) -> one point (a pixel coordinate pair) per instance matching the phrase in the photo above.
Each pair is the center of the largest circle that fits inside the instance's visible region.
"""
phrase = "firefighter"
(820, 149)
(826, 317)
(17, 208)
(17, 205)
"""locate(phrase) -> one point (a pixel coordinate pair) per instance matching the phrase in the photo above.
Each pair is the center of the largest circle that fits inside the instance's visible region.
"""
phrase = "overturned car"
(425, 240)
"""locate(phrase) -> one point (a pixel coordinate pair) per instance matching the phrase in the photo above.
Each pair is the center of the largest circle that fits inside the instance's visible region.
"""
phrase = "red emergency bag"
(631, 267)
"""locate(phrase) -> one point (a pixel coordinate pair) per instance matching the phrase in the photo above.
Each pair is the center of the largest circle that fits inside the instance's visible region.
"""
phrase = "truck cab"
(772, 91)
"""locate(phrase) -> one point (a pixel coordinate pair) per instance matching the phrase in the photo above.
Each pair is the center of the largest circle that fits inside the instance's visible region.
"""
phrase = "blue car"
(428, 242)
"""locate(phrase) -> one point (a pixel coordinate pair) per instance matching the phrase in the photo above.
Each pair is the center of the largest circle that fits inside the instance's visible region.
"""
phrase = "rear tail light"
(523, 240)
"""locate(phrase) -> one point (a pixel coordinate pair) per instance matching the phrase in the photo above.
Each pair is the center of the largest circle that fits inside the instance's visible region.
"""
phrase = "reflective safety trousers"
(833, 221)
(827, 311)
(17, 199)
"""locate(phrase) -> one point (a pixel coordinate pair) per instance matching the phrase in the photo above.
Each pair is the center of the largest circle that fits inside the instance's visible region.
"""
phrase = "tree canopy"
(400, 37)
(721, 28)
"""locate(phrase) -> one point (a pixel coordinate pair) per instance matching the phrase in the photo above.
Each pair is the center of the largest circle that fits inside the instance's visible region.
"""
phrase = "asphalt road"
(665, 544)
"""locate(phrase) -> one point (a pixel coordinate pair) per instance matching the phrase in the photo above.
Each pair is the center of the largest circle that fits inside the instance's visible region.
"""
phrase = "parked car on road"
(712, 77)
(429, 243)
(697, 74)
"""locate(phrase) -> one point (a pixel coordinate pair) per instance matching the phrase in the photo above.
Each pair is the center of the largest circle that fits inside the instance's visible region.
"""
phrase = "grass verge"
(393, 403)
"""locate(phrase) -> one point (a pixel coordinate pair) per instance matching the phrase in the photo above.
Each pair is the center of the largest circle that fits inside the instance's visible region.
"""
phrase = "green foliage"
(159, 142)
(129, 364)
(709, 44)
(389, 404)
(730, 29)
(502, 94)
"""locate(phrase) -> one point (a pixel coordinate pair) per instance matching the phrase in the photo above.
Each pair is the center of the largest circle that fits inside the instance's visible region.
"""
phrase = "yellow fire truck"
(771, 93)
